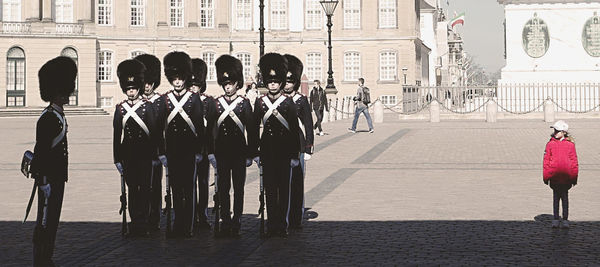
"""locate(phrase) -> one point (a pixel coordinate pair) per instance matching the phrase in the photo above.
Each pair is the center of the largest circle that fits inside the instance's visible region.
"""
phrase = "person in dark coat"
(135, 141)
(152, 81)
(231, 122)
(318, 102)
(198, 85)
(279, 143)
(185, 140)
(306, 134)
(49, 166)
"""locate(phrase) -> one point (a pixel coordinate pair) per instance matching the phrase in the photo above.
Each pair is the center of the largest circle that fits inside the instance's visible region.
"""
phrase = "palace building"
(374, 39)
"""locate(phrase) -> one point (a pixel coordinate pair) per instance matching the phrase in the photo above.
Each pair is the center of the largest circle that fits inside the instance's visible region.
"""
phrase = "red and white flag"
(460, 19)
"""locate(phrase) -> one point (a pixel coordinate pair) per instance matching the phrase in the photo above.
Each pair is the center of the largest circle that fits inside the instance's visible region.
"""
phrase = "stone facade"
(94, 35)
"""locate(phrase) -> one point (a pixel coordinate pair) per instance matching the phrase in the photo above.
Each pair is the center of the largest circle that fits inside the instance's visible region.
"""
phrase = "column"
(161, 8)
(222, 13)
(85, 11)
(192, 9)
(32, 11)
(47, 10)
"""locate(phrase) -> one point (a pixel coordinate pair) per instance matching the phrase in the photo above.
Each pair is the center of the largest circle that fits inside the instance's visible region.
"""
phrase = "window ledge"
(388, 81)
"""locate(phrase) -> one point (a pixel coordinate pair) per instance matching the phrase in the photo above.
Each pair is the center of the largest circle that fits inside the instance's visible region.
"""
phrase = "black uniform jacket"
(180, 139)
(49, 161)
(130, 142)
(305, 116)
(159, 106)
(276, 141)
(209, 110)
(229, 140)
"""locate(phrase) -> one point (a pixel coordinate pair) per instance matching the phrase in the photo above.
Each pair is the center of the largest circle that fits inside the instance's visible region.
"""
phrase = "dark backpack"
(366, 97)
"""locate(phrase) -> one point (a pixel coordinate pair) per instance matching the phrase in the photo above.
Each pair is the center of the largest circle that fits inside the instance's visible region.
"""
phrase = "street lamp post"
(329, 7)
(404, 70)
(261, 45)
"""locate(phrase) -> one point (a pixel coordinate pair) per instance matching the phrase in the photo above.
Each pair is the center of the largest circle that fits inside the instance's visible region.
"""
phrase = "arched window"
(72, 53)
(15, 77)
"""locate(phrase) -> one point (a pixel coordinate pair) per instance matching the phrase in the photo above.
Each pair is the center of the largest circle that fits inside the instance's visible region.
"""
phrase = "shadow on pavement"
(322, 243)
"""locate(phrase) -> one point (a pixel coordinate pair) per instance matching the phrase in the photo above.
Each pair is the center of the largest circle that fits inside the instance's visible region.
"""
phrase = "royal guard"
(185, 140)
(152, 81)
(235, 142)
(135, 142)
(198, 85)
(279, 142)
(307, 138)
(49, 166)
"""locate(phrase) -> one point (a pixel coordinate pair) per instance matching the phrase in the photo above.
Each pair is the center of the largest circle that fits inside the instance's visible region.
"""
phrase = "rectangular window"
(314, 15)
(64, 11)
(279, 14)
(387, 13)
(209, 58)
(138, 12)
(105, 66)
(389, 100)
(136, 53)
(11, 10)
(106, 101)
(207, 10)
(105, 12)
(176, 13)
(351, 14)
(313, 66)
(351, 66)
(246, 60)
(243, 15)
(387, 66)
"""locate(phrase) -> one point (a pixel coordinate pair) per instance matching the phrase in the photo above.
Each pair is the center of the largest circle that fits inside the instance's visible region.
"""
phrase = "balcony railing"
(69, 28)
(16, 27)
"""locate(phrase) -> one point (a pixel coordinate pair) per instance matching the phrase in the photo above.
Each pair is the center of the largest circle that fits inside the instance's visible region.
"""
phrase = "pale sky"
(483, 33)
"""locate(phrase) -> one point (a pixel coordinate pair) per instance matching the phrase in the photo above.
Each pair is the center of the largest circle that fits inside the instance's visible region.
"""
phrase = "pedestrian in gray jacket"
(362, 99)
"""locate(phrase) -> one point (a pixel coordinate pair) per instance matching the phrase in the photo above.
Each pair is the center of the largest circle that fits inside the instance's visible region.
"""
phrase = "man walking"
(318, 101)
(362, 99)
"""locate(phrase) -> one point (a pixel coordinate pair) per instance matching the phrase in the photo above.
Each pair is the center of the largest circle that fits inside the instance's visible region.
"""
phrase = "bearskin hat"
(178, 64)
(199, 70)
(274, 68)
(57, 78)
(295, 67)
(131, 74)
(229, 70)
(152, 64)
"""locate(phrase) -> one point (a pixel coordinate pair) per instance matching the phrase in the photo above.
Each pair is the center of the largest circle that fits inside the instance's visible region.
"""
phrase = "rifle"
(169, 232)
(123, 209)
(261, 198)
(216, 209)
(40, 236)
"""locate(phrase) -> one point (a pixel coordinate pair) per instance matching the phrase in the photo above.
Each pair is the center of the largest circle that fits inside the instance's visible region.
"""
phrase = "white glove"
(198, 158)
(248, 162)
(294, 163)
(46, 189)
(163, 160)
(119, 167)
(212, 160)
(307, 157)
(257, 160)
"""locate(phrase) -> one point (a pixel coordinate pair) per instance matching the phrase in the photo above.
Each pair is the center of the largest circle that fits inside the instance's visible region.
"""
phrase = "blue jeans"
(357, 112)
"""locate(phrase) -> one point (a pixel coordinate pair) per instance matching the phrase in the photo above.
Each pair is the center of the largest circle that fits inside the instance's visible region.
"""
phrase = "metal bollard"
(378, 111)
(332, 105)
(345, 109)
(339, 109)
(434, 111)
(325, 116)
(491, 111)
(548, 111)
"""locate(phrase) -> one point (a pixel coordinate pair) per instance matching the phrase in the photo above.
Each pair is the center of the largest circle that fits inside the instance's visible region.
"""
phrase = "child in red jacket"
(560, 169)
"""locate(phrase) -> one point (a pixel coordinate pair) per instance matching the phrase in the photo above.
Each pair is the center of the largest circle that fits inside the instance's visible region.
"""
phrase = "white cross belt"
(178, 109)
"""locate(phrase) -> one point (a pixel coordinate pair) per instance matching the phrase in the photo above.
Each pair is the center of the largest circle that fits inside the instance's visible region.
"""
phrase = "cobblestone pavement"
(412, 193)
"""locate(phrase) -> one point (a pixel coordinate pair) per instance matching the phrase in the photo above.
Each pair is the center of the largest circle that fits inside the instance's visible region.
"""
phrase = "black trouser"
(276, 178)
(155, 196)
(181, 179)
(203, 177)
(231, 168)
(44, 238)
(137, 176)
(319, 114)
(297, 194)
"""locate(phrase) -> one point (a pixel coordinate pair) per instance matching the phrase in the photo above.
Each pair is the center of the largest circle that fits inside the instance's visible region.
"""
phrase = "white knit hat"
(560, 126)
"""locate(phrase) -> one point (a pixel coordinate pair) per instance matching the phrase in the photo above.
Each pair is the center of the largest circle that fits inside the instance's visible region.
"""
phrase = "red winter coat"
(560, 162)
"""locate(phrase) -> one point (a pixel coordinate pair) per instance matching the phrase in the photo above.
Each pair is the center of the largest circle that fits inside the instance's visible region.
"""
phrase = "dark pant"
(277, 177)
(561, 193)
(137, 176)
(181, 179)
(203, 174)
(44, 237)
(297, 194)
(319, 114)
(155, 196)
(231, 169)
